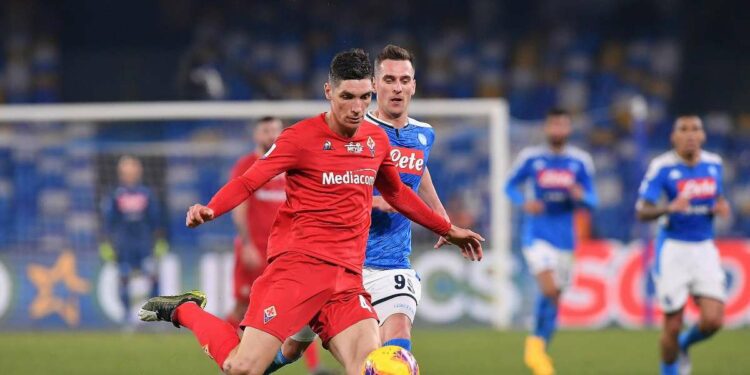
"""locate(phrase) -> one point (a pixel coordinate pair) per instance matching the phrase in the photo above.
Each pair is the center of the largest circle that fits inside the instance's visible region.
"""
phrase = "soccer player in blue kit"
(687, 262)
(562, 179)
(133, 227)
(387, 274)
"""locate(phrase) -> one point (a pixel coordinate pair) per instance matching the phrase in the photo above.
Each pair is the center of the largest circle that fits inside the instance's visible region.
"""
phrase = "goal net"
(58, 163)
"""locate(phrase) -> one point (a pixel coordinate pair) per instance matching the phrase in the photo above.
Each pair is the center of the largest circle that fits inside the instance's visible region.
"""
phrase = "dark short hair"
(557, 111)
(352, 64)
(685, 115)
(393, 52)
(268, 119)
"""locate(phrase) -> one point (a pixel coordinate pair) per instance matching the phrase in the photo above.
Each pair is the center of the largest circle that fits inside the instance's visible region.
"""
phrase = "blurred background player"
(562, 178)
(388, 277)
(687, 261)
(133, 229)
(253, 220)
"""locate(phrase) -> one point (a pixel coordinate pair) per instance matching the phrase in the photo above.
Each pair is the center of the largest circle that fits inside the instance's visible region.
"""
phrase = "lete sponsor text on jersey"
(408, 160)
(697, 188)
(555, 178)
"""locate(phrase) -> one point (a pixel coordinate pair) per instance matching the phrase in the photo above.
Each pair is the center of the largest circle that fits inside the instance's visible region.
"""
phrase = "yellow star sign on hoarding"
(45, 279)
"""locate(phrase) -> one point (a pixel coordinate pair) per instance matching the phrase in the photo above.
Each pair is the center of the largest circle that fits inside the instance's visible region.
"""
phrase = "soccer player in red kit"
(253, 219)
(317, 244)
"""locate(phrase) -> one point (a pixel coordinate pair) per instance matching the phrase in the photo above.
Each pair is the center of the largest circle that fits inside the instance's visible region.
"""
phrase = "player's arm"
(161, 246)
(429, 195)
(405, 201)
(282, 157)
(583, 192)
(721, 208)
(647, 208)
(249, 255)
(518, 175)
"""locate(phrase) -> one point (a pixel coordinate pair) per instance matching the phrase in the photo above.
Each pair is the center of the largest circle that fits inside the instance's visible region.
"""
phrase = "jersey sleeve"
(283, 156)
(720, 180)
(518, 175)
(652, 185)
(405, 200)
(585, 177)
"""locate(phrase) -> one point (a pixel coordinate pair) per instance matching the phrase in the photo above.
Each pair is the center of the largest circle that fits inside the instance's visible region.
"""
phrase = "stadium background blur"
(593, 58)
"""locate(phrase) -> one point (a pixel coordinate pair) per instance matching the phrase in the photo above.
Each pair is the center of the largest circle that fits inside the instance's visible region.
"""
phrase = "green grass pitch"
(449, 352)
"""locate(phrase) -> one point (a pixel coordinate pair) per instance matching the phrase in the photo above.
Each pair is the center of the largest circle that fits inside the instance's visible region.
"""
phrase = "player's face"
(688, 135)
(349, 101)
(557, 129)
(129, 171)
(395, 85)
(266, 132)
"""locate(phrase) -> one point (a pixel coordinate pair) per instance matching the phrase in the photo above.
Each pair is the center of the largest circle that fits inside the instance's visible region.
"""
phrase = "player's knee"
(711, 324)
(396, 326)
(237, 366)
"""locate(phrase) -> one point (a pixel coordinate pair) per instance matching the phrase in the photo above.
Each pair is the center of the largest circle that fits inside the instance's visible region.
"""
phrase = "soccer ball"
(390, 360)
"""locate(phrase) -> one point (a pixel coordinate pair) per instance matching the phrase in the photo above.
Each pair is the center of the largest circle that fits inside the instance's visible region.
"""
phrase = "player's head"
(265, 132)
(394, 80)
(557, 127)
(129, 170)
(349, 87)
(688, 135)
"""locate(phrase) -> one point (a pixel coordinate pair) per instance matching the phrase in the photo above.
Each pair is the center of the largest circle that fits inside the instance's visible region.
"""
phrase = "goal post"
(443, 114)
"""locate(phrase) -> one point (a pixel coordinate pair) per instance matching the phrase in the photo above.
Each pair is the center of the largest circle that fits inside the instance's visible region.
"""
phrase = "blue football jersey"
(131, 216)
(552, 175)
(669, 176)
(389, 243)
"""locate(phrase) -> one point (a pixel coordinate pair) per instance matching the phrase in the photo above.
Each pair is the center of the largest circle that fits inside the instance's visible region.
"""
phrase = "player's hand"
(441, 240)
(722, 209)
(469, 242)
(681, 204)
(577, 192)
(250, 257)
(198, 214)
(380, 204)
(533, 207)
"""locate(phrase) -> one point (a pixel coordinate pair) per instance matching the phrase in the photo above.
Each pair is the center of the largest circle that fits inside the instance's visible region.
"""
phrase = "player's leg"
(672, 276)
(352, 345)
(544, 262)
(709, 288)
(243, 281)
(292, 349)
(217, 337)
(255, 351)
(347, 324)
(124, 272)
(395, 295)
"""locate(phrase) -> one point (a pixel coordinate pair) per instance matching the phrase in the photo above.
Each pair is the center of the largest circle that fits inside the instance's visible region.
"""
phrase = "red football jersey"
(329, 191)
(263, 204)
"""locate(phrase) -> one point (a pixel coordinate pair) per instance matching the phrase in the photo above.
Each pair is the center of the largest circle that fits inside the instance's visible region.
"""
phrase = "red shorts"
(296, 290)
(243, 277)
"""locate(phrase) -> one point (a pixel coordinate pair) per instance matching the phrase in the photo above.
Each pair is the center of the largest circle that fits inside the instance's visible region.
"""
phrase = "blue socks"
(404, 343)
(669, 368)
(545, 314)
(278, 362)
(692, 336)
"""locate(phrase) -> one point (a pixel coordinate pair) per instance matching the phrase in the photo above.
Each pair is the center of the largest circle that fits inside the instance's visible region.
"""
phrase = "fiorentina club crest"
(268, 314)
(355, 148)
(371, 146)
(327, 146)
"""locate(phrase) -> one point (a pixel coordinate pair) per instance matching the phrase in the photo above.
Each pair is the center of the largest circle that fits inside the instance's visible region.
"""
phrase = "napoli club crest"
(371, 146)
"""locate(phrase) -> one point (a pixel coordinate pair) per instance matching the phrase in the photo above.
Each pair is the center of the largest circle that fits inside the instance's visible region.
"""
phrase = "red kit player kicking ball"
(317, 244)
(254, 219)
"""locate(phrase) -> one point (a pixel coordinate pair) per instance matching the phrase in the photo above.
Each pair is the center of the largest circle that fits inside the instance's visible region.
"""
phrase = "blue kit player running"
(387, 274)
(562, 179)
(687, 262)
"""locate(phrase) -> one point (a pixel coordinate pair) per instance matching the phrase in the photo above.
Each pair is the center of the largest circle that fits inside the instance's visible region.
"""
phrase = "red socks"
(216, 337)
(312, 360)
